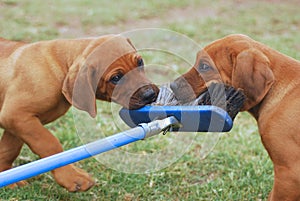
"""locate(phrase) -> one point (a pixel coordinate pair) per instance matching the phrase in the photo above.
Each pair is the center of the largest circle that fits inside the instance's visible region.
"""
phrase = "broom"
(224, 96)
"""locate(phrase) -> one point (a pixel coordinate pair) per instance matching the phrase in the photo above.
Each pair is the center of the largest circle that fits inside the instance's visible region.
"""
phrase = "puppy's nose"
(149, 95)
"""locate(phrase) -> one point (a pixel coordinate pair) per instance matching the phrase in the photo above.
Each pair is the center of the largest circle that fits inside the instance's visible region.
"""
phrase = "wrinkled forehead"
(110, 51)
(202, 55)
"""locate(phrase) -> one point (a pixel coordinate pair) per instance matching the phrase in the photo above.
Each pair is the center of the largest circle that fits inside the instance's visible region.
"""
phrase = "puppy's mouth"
(143, 96)
(183, 90)
(186, 96)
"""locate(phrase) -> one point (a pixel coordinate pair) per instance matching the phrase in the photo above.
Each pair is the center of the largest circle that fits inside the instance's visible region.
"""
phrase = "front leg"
(30, 130)
(284, 151)
(280, 134)
(286, 183)
(10, 147)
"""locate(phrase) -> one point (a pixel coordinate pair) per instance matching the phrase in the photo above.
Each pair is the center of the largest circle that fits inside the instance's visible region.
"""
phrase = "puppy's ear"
(252, 74)
(78, 88)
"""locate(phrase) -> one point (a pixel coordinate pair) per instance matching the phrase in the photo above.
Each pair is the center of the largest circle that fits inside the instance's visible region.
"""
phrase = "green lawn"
(238, 168)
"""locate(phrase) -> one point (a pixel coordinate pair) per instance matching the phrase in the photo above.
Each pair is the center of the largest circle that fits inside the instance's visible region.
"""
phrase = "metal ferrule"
(157, 126)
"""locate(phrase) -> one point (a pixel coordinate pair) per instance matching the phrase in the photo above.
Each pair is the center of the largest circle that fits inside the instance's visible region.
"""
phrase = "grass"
(237, 169)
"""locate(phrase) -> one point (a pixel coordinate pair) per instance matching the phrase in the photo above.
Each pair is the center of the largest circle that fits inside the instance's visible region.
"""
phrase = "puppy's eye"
(116, 78)
(203, 67)
(140, 62)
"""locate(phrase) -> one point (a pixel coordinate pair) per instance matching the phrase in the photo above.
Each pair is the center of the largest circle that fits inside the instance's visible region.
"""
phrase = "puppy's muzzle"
(143, 96)
(182, 89)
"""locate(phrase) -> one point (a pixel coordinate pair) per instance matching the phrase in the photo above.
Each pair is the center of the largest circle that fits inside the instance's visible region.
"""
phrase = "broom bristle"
(217, 94)
(225, 97)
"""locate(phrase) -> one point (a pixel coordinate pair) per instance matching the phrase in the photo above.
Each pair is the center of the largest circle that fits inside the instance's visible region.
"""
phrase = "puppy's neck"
(255, 111)
(68, 51)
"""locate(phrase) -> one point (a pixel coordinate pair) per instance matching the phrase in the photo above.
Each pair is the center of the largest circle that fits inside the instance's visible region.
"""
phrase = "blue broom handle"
(85, 151)
(73, 155)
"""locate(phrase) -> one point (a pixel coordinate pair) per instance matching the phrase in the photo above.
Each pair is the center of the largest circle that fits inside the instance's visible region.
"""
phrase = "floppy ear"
(82, 79)
(252, 74)
(78, 88)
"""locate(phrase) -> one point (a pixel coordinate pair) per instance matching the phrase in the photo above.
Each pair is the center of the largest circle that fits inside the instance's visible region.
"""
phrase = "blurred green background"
(237, 169)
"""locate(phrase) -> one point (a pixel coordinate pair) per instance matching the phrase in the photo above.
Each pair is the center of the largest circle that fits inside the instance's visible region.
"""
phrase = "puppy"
(40, 81)
(271, 83)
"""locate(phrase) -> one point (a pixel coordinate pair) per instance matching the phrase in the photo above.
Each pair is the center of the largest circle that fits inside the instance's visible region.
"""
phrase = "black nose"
(149, 95)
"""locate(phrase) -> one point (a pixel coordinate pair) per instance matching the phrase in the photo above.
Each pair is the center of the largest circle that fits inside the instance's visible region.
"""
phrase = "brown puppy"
(40, 81)
(271, 83)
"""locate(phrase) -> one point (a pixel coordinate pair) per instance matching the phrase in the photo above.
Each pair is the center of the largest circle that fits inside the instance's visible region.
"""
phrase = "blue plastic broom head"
(192, 118)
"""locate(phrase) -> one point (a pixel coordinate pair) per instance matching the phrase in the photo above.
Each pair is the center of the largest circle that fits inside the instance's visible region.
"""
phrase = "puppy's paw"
(18, 184)
(73, 178)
